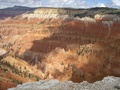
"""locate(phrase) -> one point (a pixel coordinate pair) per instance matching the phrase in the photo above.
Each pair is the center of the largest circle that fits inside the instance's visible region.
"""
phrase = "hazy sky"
(61, 3)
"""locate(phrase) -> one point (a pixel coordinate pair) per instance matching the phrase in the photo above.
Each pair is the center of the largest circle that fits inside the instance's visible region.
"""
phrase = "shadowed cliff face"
(68, 48)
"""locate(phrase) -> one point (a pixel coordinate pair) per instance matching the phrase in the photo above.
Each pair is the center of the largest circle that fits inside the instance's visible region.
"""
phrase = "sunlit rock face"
(107, 18)
(65, 47)
(108, 83)
(2, 51)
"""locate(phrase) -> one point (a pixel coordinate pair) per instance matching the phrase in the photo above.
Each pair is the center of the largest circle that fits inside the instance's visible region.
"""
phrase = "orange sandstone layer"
(66, 49)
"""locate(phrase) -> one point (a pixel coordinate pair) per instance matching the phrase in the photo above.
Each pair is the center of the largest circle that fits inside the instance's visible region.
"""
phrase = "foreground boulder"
(108, 83)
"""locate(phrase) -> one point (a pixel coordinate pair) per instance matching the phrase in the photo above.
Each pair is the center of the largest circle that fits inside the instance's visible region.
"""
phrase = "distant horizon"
(61, 3)
(56, 7)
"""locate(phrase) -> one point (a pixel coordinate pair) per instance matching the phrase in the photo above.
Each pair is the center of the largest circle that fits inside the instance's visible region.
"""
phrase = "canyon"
(60, 43)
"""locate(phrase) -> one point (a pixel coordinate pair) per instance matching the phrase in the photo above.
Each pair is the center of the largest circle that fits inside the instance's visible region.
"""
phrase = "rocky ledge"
(108, 83)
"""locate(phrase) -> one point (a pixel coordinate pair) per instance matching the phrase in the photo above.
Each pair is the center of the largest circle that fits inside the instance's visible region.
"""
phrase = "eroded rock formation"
(65, 47)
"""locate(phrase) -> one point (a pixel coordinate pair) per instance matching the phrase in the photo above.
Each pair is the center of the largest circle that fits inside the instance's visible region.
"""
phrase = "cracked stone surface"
(108, 83)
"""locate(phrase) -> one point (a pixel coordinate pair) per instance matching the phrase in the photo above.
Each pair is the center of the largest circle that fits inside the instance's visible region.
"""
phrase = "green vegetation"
(117, 87)
(93, 11)
(6, 66)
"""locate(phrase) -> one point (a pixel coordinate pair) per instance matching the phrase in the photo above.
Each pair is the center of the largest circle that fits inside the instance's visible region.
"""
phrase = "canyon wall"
(63, 46)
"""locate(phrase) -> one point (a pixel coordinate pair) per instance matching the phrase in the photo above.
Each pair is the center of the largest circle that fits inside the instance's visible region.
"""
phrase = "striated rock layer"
(65, 48)
(108, 83)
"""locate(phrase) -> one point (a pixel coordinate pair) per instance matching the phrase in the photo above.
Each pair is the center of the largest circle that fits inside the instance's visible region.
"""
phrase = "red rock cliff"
(67, 48)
